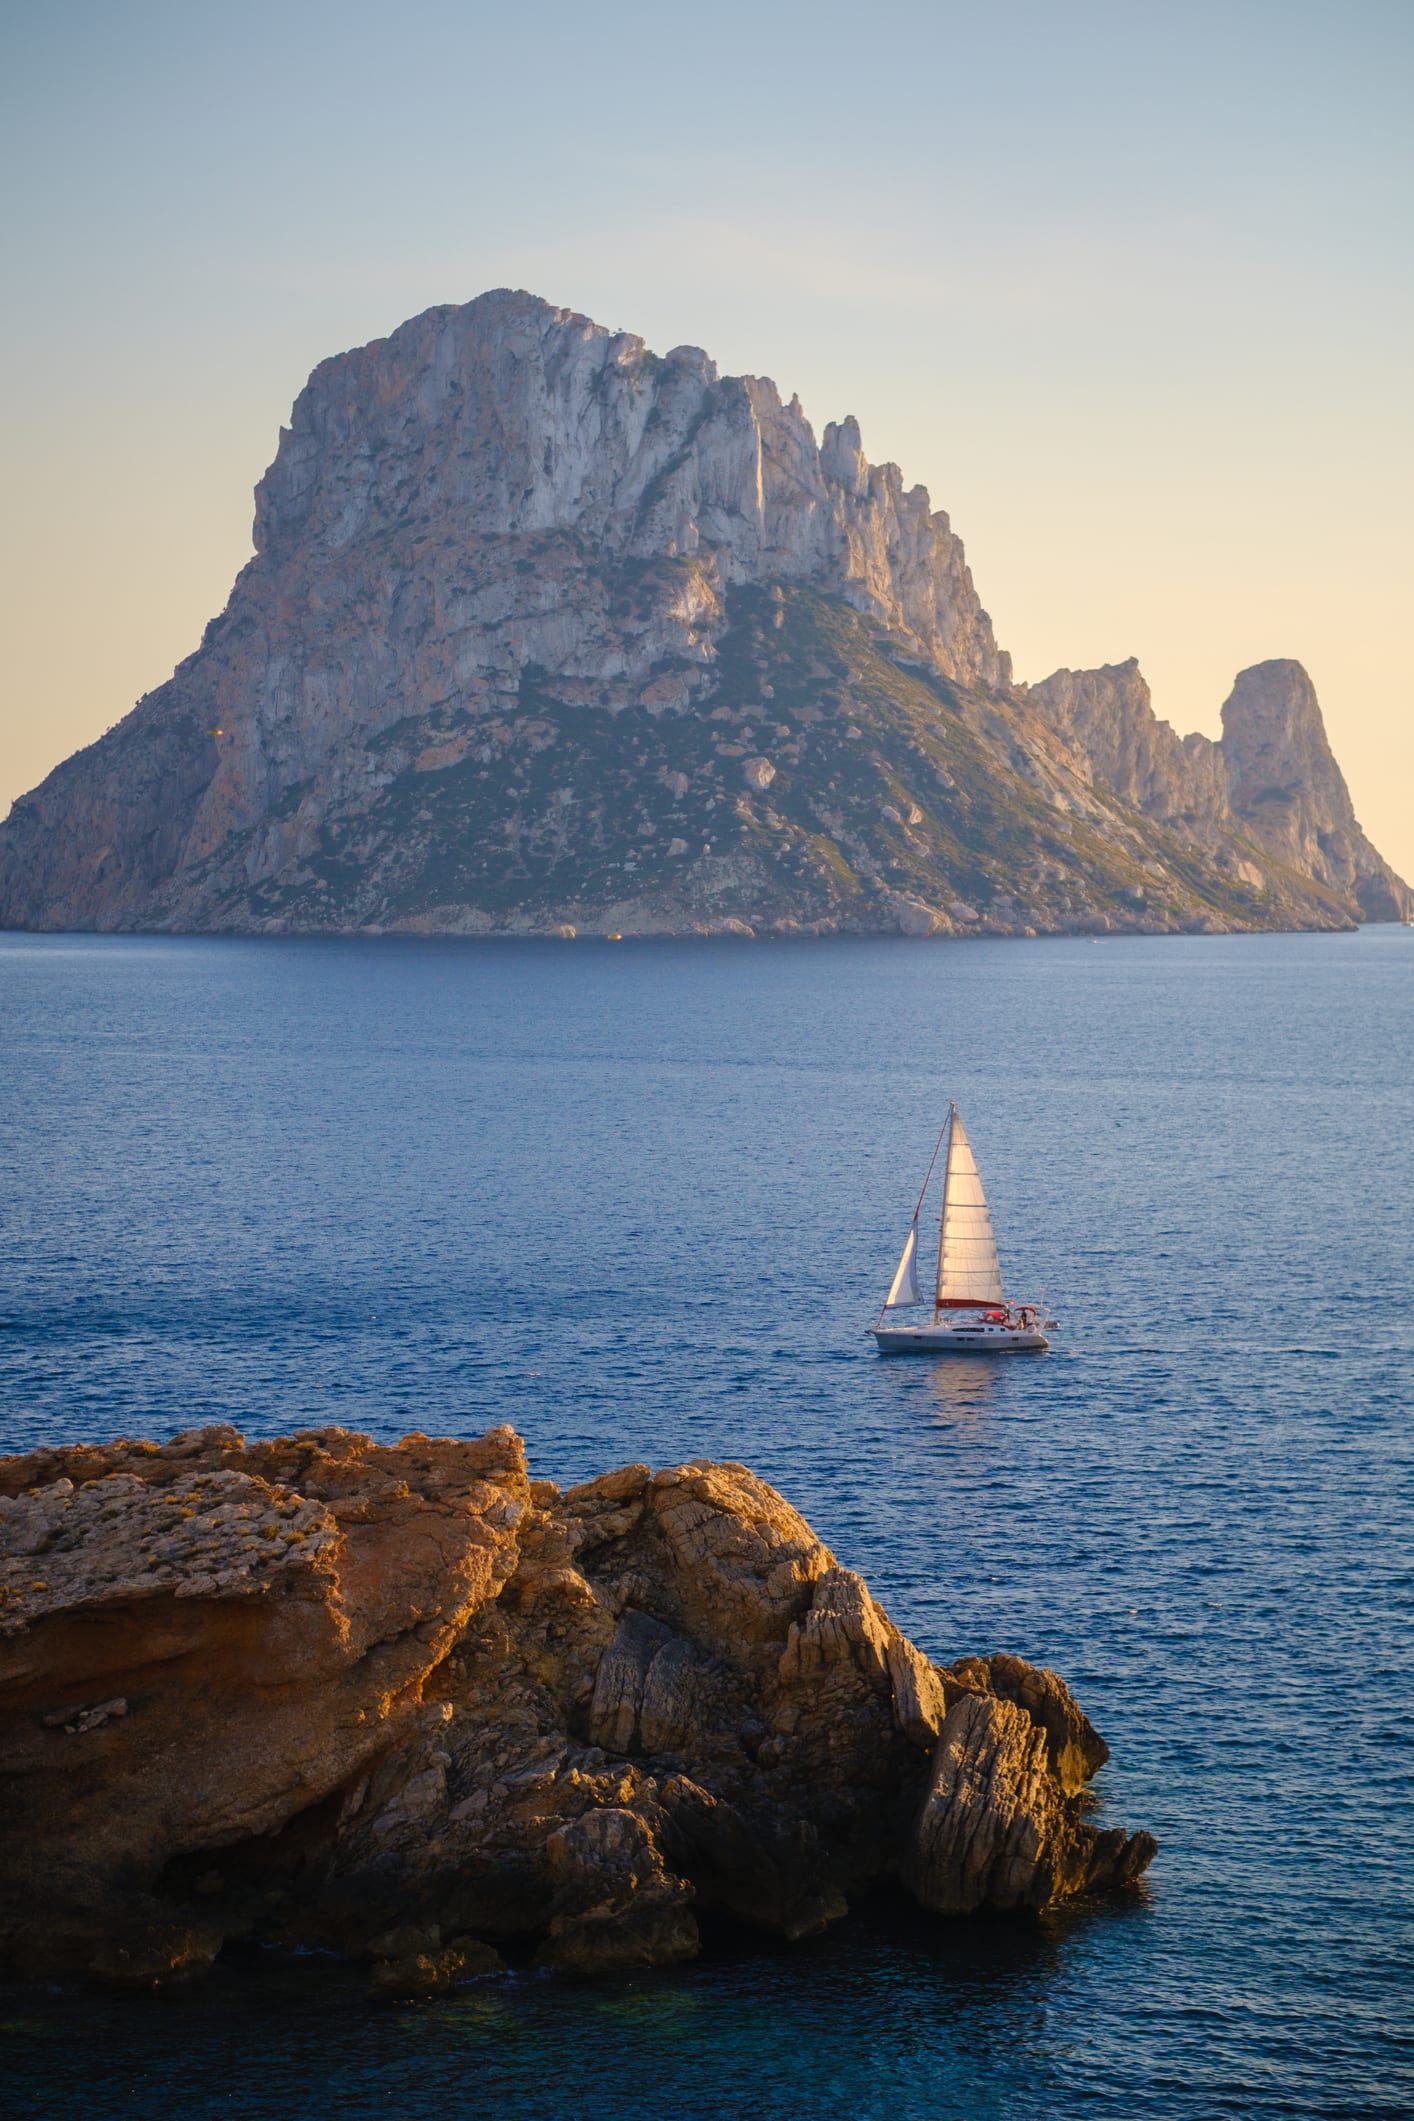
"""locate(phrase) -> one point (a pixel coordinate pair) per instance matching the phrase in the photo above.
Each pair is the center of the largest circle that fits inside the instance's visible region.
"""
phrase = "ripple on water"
(642, 1204)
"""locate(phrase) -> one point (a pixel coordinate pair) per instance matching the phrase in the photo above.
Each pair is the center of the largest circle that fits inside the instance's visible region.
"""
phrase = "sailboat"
(971, 1315)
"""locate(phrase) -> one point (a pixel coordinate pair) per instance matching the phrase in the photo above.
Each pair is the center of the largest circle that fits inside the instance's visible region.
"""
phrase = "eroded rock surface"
(1267, 803)
(547, 634)
(404, 1702)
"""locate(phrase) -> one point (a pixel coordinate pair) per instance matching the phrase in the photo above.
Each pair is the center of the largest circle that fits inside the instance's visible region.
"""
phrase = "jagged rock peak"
(1286, 788)
(506, 415)
(1107, 717)
(547, 634)
(1272, 779)
(1275, 745)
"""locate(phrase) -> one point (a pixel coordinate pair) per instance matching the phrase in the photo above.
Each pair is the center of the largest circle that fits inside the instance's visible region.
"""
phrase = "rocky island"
(406, 1703)
(547, 635)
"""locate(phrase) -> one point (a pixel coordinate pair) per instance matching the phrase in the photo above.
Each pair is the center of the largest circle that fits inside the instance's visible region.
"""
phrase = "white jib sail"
(969, 1271)
(904, 1289)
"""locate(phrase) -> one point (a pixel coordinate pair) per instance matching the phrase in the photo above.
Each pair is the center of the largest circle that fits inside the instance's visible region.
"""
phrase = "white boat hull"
(959, 1340)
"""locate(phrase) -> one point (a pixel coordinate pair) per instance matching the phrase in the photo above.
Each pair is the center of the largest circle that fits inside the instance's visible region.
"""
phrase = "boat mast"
(942, 1213)
(946, 1128)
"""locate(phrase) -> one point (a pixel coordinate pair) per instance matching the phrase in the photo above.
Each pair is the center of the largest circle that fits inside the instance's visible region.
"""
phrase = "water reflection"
(1079, 1507)
(961, 1386)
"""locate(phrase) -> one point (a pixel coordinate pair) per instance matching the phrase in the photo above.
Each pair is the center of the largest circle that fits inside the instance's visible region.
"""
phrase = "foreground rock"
(545, 634)
(406, 1703)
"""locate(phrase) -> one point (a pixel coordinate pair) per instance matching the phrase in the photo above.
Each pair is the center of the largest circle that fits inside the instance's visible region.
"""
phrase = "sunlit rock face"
(545, 631)
(1271, 782)
(1288, 792)
(404, 1702)
(1109, 721)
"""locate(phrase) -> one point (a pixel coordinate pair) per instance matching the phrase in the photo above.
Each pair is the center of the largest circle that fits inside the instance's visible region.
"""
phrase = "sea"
(642, 1200)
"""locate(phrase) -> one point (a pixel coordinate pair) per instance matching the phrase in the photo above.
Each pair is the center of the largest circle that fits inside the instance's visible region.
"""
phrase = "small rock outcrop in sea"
(406, 1703)
(548, 634)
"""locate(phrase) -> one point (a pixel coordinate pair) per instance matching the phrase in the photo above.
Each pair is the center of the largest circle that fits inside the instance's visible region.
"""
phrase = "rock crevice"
(403, 1702)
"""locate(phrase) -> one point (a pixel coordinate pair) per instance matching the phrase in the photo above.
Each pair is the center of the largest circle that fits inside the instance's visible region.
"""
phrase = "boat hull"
(959, 1340)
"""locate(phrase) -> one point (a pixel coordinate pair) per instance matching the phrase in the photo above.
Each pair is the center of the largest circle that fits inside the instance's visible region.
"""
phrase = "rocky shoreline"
(405, 1703)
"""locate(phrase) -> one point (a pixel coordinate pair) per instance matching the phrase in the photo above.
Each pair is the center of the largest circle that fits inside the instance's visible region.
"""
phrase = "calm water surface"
(642, 1202)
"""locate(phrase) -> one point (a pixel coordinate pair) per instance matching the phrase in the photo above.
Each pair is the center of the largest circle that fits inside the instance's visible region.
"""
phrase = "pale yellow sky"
(1128, 290)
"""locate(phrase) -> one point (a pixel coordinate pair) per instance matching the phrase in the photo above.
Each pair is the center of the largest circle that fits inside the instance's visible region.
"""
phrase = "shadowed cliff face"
(546, 631)
(406, 1703)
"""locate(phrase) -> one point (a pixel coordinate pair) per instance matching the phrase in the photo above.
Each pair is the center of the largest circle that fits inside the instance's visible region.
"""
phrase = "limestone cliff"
(1286, 790)
(1268, 800)
(1108, 720)
(404, 1702)
(544, 631)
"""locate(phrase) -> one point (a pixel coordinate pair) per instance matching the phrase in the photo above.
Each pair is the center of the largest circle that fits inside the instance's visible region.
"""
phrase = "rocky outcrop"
(403, 1702)
(1290, 795)
(1107, 718)
(547, 634)
(1075, 1749)
(995, 1829)
(1267, 802)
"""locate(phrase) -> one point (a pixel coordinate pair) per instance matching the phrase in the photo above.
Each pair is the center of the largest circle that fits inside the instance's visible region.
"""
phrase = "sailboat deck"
(959, 1340)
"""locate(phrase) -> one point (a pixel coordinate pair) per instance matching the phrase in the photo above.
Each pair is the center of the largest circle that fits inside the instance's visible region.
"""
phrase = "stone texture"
(405, 1703)
(1076, 1751)
(1289, 793)
(1268, 801)
(413, 1961)
(995, 1829)
(546, 634)
(268, 1616)
(1107, 717)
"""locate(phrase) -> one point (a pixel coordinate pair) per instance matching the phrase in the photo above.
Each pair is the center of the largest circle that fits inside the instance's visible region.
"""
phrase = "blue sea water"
(642, 1201)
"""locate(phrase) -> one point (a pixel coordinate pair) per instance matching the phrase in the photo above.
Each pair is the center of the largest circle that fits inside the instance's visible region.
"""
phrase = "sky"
(1126, 286)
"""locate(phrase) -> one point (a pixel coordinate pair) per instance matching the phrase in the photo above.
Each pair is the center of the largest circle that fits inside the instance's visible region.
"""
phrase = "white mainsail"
(969, 1271)
(904, 1289)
